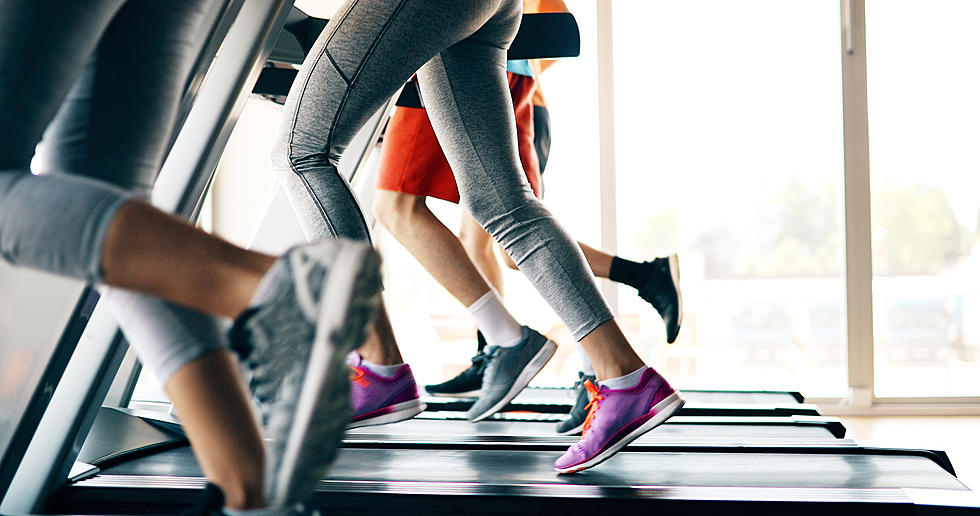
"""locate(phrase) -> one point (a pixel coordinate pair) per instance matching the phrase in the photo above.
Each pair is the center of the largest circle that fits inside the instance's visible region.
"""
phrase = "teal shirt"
(520, 67)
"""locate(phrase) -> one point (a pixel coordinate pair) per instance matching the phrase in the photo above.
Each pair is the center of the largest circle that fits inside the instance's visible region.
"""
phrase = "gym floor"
(958, 436)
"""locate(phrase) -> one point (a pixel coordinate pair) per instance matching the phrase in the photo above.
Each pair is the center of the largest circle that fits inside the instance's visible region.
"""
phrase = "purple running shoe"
(377, 400)
(617, 417)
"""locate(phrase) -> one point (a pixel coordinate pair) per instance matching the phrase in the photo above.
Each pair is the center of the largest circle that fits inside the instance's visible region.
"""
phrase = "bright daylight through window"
(729, 152)
(923, 114)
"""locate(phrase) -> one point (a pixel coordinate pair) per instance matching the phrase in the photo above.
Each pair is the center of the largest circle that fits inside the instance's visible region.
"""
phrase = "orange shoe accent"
(594, 397)
(357, 376)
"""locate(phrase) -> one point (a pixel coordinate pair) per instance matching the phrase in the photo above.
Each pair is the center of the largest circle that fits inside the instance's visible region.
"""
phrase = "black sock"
(631, 273)
(237, 335)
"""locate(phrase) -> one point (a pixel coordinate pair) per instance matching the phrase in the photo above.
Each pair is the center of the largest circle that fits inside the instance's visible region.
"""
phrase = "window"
(924, 122)
(728, 141)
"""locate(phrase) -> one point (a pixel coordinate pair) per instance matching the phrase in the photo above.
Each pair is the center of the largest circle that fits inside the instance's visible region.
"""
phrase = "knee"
(515, 225)
(396, 210)
(290, 158)
(474, 239)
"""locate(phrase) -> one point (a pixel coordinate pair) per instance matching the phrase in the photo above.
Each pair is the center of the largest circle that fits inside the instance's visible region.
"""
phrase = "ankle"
(609, 371)
(378, 350)
(383, 370)
(242, 493)
(625, 381)
(380, 357)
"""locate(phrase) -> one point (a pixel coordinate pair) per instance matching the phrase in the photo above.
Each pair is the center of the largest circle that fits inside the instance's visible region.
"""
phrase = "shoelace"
(479, 362)
(593, 406)
(357, 376)
(489, 364)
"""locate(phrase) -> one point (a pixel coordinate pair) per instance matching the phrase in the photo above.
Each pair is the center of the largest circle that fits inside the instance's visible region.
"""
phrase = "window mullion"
(857, 205)
(607, 141)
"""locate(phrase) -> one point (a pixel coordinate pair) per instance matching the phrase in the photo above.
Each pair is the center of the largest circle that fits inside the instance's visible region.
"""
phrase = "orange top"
(412, 161)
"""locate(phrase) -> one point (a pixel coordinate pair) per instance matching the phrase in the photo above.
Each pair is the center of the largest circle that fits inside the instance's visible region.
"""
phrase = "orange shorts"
(412, 161)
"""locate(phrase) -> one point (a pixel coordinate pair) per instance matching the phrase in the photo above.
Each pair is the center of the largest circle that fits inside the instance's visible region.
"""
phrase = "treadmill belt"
(674, 429)
(511, 481)
(495, 469)
(633, 470)
(545, 401)
(566, 396)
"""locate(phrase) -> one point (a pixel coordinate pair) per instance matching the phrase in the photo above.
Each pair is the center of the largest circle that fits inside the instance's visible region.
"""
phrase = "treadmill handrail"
(184, 179)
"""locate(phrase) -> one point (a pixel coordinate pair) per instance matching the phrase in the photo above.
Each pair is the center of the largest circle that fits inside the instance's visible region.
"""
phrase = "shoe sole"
(675, 277)
(530, 371)
(467, 394)
(400, 412)
(348, 304)
(574, 431)
(666, 408)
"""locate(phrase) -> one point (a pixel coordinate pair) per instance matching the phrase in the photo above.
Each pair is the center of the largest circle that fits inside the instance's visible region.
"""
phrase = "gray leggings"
(459, 48)
(103, 78)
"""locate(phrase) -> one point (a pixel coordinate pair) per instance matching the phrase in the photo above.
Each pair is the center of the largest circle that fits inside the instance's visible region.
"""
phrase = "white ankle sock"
(586, 363)
(386, 371)
(626, 381)
(264, 511)
(495, 322)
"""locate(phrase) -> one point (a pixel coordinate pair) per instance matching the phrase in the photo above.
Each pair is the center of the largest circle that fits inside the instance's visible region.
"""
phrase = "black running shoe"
(576, 416)
(465, 384)
(663, 291)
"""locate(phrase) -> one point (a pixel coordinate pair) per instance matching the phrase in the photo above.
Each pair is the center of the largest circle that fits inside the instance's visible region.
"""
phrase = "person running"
(458, 49)
(656, 281)
(105, 79)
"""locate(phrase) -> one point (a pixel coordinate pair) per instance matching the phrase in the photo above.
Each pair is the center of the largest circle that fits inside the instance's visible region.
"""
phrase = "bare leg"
(599, 261)
(431, 243)
(479, 246)
(189, 267)
(610, 352)
(217, 417)
(380, 346)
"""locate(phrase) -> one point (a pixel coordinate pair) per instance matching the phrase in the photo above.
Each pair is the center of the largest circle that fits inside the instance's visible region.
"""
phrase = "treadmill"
(775, 462)
(425, 466)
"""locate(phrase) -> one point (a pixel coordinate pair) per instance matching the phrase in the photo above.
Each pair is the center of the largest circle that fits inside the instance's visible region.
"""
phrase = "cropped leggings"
(459, 48)
(103, 78)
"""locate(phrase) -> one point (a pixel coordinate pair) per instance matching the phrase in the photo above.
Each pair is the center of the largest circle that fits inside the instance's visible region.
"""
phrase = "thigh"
(116, 123)
(43, 48)
(468, 99)
(367, 51)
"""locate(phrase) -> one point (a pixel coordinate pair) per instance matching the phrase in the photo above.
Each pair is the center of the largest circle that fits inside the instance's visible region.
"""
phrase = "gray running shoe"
(509, 370)
(576, 416)
(312, 310)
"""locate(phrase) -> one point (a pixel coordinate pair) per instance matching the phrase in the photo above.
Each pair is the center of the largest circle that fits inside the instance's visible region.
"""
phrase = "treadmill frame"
(215, 97)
